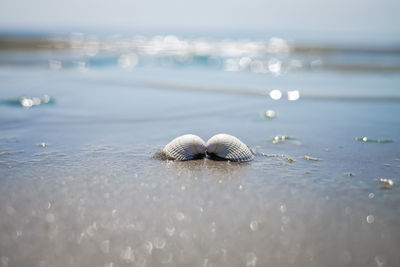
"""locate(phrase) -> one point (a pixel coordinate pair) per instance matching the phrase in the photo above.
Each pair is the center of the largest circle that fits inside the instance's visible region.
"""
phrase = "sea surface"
(81, 117)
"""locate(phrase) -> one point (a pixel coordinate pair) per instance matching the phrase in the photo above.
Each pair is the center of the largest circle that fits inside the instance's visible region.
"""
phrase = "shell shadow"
(161, 155)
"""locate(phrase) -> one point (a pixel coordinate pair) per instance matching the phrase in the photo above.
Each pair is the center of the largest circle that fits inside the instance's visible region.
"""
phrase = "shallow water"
(79, 186)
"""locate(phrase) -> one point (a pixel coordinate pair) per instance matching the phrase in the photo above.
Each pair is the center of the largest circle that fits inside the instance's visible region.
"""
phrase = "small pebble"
(4, 261)
(269, 114)
(43, 144)
(50, 218)
(254, 226)
(159, 242)
(147, 247)
(281, 138)
(180, 216)
(170, 230)
(127, 254)
(251, 259)
(283, 208)
(105, 246)
(311, 158)
(370, 218)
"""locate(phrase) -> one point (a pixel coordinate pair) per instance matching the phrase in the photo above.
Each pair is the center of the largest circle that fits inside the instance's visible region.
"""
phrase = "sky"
(351, 16)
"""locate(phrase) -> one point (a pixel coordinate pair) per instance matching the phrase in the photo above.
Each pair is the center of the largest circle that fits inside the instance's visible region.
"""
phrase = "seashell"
(185, 147)
(228, 147)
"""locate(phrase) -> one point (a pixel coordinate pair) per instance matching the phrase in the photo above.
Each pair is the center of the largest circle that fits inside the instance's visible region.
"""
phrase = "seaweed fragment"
(368, 140)
(289, 159)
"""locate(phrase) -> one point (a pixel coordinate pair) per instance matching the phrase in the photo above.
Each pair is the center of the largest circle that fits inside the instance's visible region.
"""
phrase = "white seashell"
(228, 147)
(185, 147)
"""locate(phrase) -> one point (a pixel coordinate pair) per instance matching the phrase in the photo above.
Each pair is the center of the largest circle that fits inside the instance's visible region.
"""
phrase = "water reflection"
(293, 95)
(128, 61)
(275, 94)
(274, 56)
(28, 102)
(275, 66)
(55, 64)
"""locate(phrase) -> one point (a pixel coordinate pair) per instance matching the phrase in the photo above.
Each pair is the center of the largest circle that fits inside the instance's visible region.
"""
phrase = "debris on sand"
(311, 158)
(281, 138)
(386, 183)
(289, 159)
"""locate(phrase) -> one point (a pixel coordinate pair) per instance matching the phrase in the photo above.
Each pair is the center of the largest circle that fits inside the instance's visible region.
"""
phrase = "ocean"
(82, 115)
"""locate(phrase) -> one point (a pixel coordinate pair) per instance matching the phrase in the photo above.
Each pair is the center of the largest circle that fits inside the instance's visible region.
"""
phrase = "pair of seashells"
(220, 146)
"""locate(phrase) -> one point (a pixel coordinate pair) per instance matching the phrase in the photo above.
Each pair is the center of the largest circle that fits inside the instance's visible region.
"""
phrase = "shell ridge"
(228, 147)
(185, 147)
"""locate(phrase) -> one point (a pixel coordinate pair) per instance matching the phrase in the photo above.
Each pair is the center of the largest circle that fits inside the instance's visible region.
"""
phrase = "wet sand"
(79, 185)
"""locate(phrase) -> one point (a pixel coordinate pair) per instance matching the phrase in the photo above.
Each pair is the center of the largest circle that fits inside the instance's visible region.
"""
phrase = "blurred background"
(291, 19)
(345, 35)
(270, 48)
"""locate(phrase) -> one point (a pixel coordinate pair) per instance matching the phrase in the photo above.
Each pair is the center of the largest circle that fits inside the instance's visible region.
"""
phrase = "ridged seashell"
(228, 147)
(185, 147)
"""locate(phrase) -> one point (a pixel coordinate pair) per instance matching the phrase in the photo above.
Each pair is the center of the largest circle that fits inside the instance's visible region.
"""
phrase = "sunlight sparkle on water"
(128, 60)
(28, 102)
(293, 95)
(275, 66)
(257, 66)
(278, 45)
(275, 94)
(55, 64)
(244, 62)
